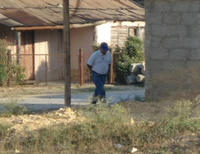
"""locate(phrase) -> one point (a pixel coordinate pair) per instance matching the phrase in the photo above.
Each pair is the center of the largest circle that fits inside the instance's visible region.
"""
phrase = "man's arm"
(91, 61)
(90, 67)
(109, 69)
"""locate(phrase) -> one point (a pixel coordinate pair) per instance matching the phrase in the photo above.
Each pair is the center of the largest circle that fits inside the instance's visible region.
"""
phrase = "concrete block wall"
(172, 48)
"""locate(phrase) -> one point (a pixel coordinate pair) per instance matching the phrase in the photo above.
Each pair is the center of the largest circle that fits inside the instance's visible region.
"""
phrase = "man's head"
(103, 48)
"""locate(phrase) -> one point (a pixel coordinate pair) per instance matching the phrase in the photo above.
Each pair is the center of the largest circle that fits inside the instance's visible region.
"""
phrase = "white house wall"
(116, 33)
(103, 33)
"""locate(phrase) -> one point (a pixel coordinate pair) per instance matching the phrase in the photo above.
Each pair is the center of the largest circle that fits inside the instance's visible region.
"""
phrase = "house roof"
(26, 13)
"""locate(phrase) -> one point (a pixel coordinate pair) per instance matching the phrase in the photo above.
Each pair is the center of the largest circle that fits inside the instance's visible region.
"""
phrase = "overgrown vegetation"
(9, 70)
(12, 108)
(132, 52)
(3, 129)
(103, 129)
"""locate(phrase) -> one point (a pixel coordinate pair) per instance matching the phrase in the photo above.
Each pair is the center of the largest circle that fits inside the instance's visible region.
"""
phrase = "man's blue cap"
(104, 46)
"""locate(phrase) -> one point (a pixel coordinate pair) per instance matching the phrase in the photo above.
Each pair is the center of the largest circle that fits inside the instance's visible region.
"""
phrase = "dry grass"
(95, 130)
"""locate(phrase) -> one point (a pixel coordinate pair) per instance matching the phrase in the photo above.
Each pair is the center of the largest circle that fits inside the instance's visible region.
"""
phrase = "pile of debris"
(137, 74)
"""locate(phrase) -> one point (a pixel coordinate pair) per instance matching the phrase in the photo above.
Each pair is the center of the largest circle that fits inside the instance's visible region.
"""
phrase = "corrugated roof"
(49, 12)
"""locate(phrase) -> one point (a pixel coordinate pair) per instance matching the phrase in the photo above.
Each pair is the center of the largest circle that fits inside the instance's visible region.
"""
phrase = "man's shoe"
(103, 100)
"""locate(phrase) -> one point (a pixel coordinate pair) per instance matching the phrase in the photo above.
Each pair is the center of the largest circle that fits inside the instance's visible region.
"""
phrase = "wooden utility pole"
(18, 36)
(9, 67)
(81, 67)
(111, 70)
(66, 47)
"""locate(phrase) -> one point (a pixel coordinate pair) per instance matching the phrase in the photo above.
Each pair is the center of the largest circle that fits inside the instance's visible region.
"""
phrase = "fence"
(51, 67)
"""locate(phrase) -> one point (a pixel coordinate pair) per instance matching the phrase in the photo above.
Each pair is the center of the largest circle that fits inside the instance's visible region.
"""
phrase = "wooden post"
(81, 67)
(46, 70)
(66, 49)
(18, 36)
(111, 70)
(9, 67)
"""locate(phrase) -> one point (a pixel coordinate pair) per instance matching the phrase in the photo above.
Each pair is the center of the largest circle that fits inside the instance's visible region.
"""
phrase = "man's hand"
(109, 69)
(90, 67)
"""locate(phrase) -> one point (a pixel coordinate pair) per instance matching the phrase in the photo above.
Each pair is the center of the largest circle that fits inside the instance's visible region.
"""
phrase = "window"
(132, 31)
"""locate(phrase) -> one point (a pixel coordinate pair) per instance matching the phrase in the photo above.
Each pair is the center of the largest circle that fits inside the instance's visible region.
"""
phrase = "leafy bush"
(3, 62)
(13, 71)
(131, 53)
(18, 74)
(134, 49)
(3, 74)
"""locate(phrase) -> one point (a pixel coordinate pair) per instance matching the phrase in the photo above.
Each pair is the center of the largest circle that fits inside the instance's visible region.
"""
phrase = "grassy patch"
(106, 127)
(12, 108)
(3, 129)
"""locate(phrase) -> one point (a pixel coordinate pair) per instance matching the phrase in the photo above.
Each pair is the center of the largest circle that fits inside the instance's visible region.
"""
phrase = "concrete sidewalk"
(55, 101)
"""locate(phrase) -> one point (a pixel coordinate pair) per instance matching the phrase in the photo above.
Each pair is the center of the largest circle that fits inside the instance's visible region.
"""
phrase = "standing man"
(99, 63)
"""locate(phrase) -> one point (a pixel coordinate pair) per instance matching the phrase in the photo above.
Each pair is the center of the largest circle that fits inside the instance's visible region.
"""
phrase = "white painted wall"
(129, 23)
(103, 33)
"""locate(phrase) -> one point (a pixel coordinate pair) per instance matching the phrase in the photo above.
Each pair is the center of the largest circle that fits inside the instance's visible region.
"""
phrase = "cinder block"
(194, 6)
(172, 18)
(190, 18)
(178, 54)
(173, 42)
(159, 53)
(171, 30)
(155, 42)
(194, 54)
(162, 6)
(154, 17)
(180, 6)
(191, 43)
(193, 30)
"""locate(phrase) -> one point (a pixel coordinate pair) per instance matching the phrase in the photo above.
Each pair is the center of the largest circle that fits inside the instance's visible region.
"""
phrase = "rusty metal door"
(27, 54)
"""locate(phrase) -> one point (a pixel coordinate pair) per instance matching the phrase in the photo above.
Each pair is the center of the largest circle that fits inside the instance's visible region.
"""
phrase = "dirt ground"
(151, 111)
(53, 88)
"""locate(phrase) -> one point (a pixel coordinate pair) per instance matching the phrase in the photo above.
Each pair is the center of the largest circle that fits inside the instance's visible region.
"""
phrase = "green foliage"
(13, 108)
(3, 74)
(134, 49)
(131, 53)
(122, 67)
(3, 62)
(12, 70)
(18, 74)
(3, 129)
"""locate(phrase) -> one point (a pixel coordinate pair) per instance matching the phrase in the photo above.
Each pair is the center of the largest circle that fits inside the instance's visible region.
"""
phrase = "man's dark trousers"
(99, 81)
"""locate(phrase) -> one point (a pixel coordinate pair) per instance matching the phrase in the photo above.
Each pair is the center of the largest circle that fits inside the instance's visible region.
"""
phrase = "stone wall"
(172, 48)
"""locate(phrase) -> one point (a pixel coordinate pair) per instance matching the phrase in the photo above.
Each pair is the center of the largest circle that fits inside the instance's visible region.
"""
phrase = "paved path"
(54, 101)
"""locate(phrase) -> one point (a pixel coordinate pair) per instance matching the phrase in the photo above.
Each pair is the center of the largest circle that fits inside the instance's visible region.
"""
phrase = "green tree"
(132, 52)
